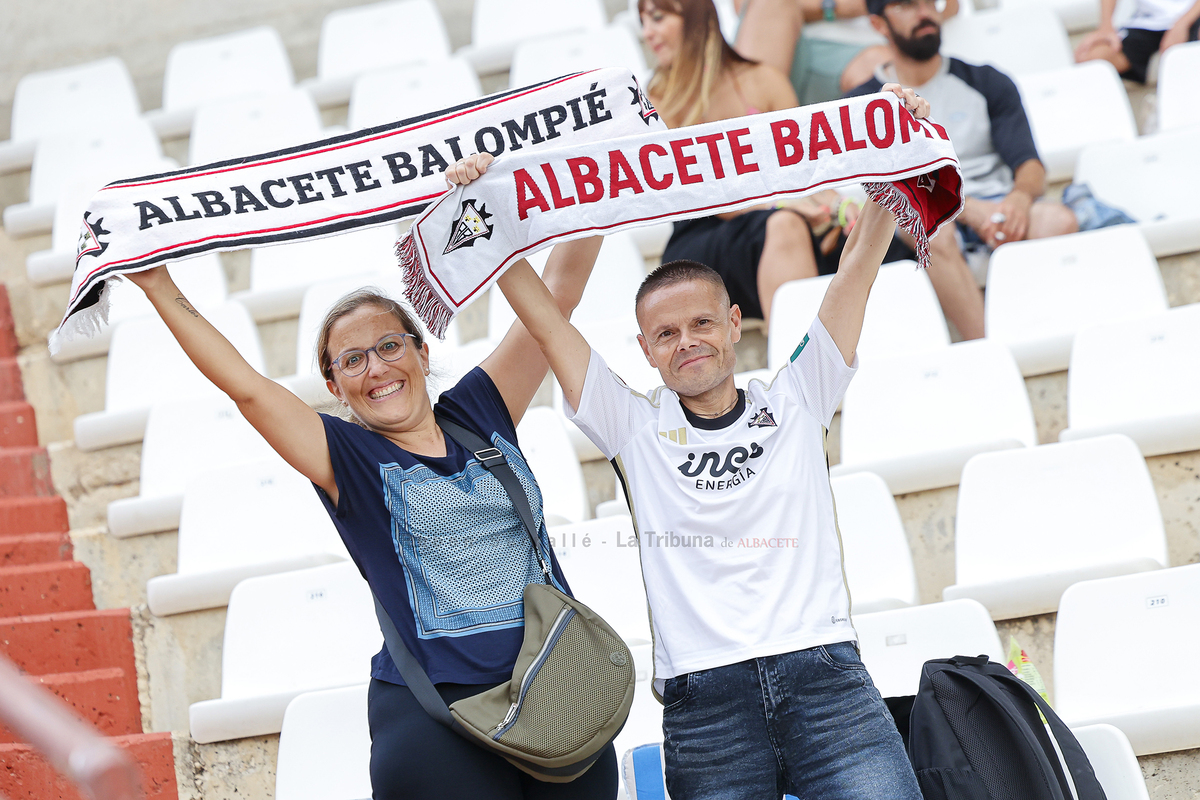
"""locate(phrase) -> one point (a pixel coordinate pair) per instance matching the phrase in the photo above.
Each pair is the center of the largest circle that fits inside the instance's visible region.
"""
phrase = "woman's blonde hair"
(683, 89)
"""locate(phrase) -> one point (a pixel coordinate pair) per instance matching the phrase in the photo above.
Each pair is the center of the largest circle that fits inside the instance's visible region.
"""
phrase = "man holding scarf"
(755, 654)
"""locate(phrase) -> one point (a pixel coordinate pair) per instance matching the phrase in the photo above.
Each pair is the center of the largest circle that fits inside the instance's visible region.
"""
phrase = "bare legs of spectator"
(769, 32)
(1046, 218)
(1105, 46)
(957, 291)
(787, 256)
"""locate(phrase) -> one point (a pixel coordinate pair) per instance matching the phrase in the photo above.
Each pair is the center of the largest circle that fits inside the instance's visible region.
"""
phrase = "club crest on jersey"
(472, 224)
(762, 419)
(645, 108)
(89, 238)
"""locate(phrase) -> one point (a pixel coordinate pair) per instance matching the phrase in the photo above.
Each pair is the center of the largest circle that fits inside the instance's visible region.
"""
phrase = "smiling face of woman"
(663, 31)
(389, 396)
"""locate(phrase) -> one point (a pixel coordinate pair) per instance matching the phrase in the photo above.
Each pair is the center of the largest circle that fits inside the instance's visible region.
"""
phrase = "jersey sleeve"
(1011, 134)
(476, 403)
(609, 412)
(818, 373)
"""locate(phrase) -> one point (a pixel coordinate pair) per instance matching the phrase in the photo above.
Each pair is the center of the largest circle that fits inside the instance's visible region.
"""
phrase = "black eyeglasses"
(389, 348)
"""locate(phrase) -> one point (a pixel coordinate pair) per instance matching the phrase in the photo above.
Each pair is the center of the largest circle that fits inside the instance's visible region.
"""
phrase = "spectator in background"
(1003, 178)
(772, 31)
(1154, 26)
(700, 78)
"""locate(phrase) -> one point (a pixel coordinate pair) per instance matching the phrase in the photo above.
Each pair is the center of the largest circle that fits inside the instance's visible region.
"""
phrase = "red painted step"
(32, 515)
(25, 472)
(18, 427)
(10, 381)
(34, 548)
(25, 775)
(45, 588)
(107, 698)
(69, 642)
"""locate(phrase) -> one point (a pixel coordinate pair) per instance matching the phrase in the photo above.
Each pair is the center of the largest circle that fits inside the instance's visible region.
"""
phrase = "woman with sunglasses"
(433, 532)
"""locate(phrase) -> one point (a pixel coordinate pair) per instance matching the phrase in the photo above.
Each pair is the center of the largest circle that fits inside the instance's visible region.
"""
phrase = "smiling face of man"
(688, 332)
(915, 28)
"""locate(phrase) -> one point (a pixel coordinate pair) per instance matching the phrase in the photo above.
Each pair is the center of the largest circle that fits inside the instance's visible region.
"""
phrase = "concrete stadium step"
(34, 548)
(25, 472)
(18, 428)
(69, 642)
(27, 776)
(107, 698)
(23, 515)
(45, 589)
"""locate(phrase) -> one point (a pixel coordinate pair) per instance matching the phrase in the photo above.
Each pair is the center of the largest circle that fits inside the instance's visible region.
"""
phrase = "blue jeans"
(808, 723)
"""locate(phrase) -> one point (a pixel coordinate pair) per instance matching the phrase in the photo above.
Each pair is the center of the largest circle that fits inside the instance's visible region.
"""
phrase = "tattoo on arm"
(186, 306)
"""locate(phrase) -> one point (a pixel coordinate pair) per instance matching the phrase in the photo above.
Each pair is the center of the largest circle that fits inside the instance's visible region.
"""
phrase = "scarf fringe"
(86, 322)
(420, 293)
(891, 198)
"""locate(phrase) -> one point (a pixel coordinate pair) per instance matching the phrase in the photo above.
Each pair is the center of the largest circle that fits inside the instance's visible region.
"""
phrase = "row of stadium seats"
(1145, 613)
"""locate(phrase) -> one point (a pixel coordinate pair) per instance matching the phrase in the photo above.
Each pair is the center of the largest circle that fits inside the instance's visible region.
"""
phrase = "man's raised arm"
(845, 301)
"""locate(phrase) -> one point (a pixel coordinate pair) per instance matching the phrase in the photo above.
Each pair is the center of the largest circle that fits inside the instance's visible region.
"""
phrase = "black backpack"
(975, 734)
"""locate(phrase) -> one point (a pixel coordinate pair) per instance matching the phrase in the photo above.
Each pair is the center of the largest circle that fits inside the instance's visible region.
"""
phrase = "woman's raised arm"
(517, 365)
(292, 428)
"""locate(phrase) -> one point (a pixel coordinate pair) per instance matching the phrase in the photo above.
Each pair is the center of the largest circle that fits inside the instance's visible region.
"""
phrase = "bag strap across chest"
(492, 459)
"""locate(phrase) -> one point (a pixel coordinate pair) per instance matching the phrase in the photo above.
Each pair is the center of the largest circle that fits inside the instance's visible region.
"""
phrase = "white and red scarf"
(532, 199)
(358, 180)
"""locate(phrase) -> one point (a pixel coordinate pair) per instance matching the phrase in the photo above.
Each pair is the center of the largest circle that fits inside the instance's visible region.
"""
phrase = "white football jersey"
(738, 538)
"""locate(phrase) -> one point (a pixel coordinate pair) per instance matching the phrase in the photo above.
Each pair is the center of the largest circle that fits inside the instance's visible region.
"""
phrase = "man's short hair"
(876, 6)
(680, 271)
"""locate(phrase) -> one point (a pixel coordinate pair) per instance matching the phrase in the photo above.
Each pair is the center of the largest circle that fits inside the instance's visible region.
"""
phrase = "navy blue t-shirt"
(438, 539)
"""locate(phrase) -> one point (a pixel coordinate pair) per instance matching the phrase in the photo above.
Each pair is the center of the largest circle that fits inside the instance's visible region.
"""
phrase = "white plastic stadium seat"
(279, 274)
(878, 562)
(601, 561)
(1042, 291)
(895, 644)
(146, 366)
(252, 124)
(391, 95)
(1141, 378)
(78, 98)
(325, 747)
(1147, 624)
(184, 439)
(915, 420)
(1178, 97)
(287, 634)
(1077, 16)
(240, 521)
(371, 37)
(121, 150)
(201, 279)
(1072, 107)
(547, 448)
(542, 59)
(1035, 520)
(903, 315)
(1153, 180)
(202, 71)
(57, 264)
(498, 26)
(1013, 40)
(609, 295)
(1113, 760)
(616, 342)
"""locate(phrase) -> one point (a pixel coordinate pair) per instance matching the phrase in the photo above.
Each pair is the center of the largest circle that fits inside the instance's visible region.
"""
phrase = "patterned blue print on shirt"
(467, 558)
